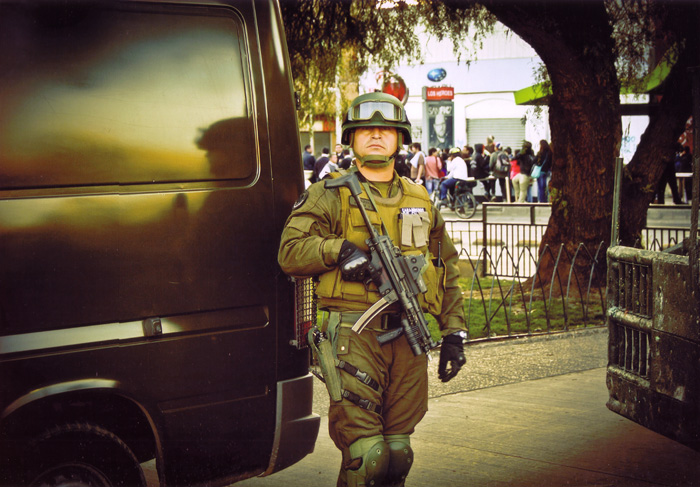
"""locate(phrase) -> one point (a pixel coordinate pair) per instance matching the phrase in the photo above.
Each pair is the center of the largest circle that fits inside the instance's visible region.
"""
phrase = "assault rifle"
(398, 279)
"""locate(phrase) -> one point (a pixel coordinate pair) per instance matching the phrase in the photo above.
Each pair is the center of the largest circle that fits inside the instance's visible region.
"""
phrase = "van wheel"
(82, 455)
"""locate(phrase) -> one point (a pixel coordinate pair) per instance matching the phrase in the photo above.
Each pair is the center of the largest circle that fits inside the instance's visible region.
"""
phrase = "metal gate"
(654, 342)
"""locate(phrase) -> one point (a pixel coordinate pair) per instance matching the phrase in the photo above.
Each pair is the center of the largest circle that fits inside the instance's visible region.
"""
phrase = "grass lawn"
(499, 307)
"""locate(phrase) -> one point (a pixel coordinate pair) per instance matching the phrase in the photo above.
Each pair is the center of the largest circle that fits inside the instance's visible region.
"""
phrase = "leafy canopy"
(331, 42)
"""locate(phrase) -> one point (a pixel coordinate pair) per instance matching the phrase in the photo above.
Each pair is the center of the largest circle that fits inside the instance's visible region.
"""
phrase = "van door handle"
(152, 327)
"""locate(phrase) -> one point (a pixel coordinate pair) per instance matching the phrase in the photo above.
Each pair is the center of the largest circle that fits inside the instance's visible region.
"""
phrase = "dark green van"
(149, 156)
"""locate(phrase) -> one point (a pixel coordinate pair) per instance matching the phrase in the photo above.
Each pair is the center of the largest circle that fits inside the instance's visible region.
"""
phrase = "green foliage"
(332, 42)
(554, 195)
(644, 31)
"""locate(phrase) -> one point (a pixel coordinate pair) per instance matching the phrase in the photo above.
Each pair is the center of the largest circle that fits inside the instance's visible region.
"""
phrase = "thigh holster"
(322, 349)
(323, 344)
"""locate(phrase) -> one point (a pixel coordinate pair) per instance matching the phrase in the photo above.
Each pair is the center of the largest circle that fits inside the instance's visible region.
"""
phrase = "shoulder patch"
(301, 199)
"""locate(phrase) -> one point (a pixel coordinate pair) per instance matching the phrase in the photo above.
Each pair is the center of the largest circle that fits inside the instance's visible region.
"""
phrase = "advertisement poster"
(440, 124)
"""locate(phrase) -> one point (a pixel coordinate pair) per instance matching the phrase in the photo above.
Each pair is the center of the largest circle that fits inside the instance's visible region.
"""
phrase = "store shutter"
(508, 131)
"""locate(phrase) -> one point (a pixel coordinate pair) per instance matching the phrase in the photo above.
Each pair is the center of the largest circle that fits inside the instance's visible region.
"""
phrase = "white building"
(478, 97)
(482, 94)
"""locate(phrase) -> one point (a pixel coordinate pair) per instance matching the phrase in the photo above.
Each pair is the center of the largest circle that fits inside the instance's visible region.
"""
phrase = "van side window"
(156, 98)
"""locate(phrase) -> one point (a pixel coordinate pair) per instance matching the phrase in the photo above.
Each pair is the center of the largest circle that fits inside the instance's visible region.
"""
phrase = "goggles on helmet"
(365, 111)
(376, 110)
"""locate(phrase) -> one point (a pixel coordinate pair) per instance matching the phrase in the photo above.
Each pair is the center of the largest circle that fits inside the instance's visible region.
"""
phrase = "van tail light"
(304, 311)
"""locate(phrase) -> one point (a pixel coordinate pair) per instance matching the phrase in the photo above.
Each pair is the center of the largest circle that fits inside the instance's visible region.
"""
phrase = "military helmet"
(376, 110)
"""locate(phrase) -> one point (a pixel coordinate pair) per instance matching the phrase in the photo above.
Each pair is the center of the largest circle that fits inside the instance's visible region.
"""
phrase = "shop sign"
(439, 93)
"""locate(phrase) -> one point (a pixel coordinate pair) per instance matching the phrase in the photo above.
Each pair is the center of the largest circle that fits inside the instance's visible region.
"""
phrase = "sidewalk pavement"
(524, 413)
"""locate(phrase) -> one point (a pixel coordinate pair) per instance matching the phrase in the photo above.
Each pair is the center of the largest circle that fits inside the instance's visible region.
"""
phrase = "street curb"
(521, 339)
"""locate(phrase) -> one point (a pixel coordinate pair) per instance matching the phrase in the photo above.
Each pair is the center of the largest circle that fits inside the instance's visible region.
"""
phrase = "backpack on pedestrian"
(502, 167)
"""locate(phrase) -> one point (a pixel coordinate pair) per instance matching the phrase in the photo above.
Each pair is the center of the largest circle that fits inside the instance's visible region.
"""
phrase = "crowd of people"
(522, 174)
(525, 172)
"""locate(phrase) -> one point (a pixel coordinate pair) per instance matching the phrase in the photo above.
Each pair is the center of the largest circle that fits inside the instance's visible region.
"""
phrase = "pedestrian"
(308, 158)
(467, 155)
(499, 164)
(373, 422)
(346, 160)
(456, 171)
(321, 163)
(668, 177)
(417, 163)
(480, 168)
(522, 181)
(544, 160)
(339, 151)
(514, 165)
(433, 168)
(490, 146)
(331, 166)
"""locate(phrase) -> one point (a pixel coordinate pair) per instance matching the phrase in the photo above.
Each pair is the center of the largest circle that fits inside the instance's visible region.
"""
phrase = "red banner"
(440, 93)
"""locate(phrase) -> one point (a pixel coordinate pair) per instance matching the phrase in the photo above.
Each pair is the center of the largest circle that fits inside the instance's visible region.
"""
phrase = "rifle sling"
(367, 190)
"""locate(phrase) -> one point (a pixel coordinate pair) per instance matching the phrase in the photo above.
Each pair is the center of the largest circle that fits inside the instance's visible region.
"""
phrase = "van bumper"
(296, 427)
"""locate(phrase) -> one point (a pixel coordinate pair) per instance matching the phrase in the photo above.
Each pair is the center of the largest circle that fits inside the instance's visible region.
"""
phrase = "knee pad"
(400, 459)
(374, 454)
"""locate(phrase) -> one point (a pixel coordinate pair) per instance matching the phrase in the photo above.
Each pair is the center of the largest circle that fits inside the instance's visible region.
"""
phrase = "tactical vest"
(408, 219)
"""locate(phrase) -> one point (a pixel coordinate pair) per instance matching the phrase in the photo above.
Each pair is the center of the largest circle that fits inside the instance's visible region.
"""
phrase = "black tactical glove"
(451, 356)
(353, 262)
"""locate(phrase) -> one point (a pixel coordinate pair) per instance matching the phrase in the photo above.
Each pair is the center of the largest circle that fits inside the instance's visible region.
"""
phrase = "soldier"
(384, 386)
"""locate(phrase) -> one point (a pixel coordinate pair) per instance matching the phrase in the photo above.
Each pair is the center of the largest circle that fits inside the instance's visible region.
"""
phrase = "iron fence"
(535, 303)
(661, 238)
(521, 226)
(671, 227)
(503, 263)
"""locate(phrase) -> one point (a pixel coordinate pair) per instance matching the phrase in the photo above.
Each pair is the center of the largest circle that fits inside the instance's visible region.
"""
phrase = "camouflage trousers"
(402, 394)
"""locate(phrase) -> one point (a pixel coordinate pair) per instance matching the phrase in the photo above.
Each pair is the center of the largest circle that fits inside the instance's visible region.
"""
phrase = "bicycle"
(463, 202)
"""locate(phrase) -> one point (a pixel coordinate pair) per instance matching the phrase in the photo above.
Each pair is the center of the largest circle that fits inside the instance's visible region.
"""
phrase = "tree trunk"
(574, 41)
(666, 124)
